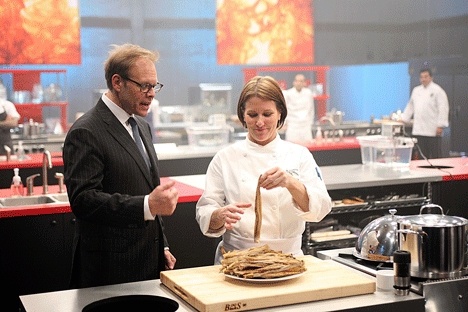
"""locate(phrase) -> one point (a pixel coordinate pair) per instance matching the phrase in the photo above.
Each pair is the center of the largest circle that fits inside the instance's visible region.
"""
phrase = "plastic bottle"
(20, 153)
(318, 135)
(17, 188)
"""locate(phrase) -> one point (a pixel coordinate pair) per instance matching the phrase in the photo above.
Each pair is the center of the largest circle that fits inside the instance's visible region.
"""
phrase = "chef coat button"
(274, 207)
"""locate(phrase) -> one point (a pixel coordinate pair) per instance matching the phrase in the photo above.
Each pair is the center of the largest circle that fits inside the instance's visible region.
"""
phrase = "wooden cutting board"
(206, 289)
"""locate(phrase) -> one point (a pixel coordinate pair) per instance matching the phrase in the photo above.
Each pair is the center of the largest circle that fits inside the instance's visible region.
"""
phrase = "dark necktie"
(137, 138)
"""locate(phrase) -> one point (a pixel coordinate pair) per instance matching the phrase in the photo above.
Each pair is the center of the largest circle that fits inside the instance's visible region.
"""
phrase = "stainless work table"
(358, 175)
(75, 300)
(349, 176)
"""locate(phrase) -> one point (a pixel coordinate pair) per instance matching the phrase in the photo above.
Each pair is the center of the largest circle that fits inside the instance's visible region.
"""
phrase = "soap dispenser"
(17, 188)
(318, 135)
(21, 153)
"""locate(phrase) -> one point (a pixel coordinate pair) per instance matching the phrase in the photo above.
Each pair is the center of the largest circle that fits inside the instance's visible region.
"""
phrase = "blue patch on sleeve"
(318, 173)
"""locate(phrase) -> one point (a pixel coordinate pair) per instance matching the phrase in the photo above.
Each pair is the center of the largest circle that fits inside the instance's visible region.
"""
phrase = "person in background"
(301, 112)
(9, 117)
(292, 186)
(429, 108)
(116, 196)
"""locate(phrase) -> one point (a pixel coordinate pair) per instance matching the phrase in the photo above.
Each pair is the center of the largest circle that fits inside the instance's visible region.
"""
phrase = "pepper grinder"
(401, 267)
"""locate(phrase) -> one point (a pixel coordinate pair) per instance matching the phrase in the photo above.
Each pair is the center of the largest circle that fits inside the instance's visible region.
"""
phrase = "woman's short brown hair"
(267, 89)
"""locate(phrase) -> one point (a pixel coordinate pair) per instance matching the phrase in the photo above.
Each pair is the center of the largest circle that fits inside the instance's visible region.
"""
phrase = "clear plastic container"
(208, 136)
(367, 147)
(386, 152)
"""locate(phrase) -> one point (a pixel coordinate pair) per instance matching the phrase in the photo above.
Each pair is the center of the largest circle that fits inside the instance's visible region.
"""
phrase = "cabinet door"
(69, 221)
(190, 247)
(31, 255)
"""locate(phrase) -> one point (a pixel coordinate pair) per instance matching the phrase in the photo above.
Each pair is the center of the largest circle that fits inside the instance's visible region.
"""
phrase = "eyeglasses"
(146, 87)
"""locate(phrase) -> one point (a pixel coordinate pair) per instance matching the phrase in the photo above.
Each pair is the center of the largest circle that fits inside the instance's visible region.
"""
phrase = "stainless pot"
(32, 129)
(378, 240)
(437, 243)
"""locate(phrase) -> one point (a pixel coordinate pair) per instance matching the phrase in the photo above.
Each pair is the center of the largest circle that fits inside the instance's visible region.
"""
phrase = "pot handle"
(407, 231)
(427, 206)
(420, 234)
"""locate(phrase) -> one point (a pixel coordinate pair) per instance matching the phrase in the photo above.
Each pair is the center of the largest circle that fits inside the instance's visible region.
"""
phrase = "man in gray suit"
(112, 179)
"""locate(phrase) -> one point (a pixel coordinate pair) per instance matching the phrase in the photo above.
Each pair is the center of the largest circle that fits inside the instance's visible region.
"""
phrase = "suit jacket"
(107, 179)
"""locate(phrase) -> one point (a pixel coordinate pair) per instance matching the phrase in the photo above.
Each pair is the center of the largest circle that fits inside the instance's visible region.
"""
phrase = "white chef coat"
(301, 114)
(429, 108)
(232, 177)
(8, 108)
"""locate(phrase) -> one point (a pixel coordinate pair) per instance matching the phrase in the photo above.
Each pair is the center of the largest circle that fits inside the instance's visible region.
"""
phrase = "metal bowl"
(378, 240)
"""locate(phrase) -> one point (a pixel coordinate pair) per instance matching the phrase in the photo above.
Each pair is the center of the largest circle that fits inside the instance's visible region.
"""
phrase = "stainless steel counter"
(75, 300)
(349, 176)
(358, 175)
(51, 142)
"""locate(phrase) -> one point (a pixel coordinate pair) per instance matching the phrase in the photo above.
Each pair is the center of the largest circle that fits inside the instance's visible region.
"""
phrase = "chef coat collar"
(266, 148)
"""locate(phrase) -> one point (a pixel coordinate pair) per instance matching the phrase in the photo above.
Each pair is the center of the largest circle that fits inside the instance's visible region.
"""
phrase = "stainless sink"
(33, 200)
(60, 197)
(26, 201)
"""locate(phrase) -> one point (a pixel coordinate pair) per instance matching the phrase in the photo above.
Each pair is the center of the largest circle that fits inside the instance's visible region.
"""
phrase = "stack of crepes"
(260, 263)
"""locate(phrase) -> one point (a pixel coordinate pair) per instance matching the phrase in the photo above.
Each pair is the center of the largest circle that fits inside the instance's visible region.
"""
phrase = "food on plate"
(260, 262)
(258, 212)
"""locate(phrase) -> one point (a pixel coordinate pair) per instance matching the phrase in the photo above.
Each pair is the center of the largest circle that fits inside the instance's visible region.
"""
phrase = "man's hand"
(163, 199)
(170, 260)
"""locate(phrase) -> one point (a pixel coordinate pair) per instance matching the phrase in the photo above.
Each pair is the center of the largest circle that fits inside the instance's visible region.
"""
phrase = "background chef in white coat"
(301, 112)
(429, 108)
(9, 117)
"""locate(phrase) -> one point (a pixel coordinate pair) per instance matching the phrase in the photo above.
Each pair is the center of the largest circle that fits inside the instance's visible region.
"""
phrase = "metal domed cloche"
(378, 239)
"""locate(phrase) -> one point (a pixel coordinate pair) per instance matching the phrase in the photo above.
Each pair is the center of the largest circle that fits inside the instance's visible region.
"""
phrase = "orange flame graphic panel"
(39, 32)
(264, 32)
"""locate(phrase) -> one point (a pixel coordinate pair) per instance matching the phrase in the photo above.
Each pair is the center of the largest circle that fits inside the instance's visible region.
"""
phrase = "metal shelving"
(311, 247)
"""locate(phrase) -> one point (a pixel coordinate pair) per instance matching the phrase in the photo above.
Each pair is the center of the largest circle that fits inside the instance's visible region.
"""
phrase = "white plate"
(264, 280)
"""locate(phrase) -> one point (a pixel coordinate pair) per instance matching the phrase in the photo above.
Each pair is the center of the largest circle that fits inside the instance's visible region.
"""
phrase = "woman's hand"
(275, 177)
(227, 216)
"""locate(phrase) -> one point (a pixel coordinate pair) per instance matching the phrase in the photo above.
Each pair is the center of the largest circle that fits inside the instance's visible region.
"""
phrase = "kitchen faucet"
(330, 120)
(30, 184)
(46, 163)
(330, 133)
(59, 176)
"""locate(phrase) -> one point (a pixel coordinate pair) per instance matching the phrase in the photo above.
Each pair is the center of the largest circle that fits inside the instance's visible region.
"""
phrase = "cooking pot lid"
(433, 220)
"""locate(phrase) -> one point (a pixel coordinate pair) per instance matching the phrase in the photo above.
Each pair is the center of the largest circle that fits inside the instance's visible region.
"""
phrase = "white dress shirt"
(232, 177)
(123, 116)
